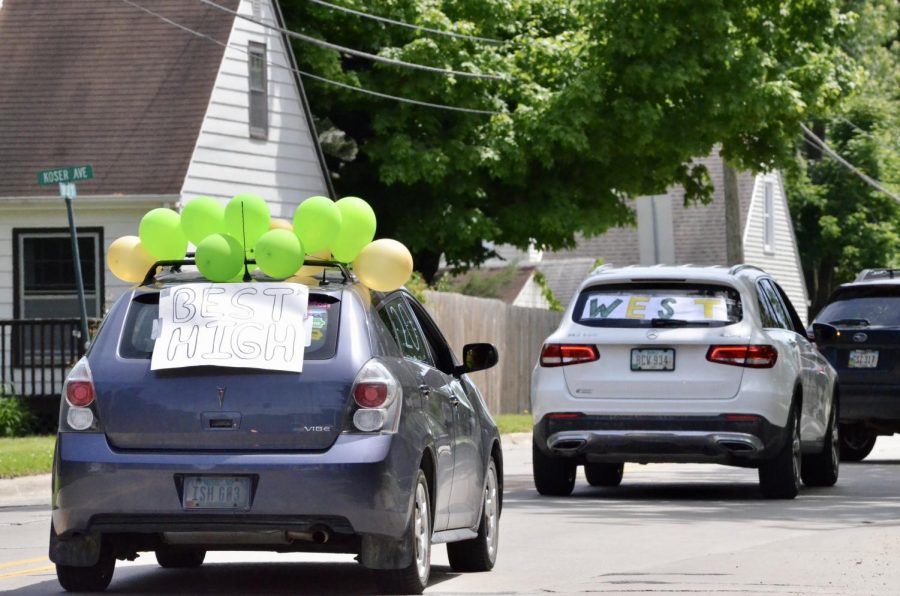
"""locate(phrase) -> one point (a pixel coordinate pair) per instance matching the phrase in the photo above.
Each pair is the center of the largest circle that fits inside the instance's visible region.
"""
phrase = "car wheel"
(552, 476)
(480, 553)
(180, 558)
(856, 442)
(95, 578)
(821, 469)
(413, 578)
(604, 474)
(779, 477)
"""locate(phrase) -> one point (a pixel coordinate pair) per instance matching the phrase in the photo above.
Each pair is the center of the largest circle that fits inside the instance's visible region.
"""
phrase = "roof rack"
(878, 273)
(737, 268)
(189, 259)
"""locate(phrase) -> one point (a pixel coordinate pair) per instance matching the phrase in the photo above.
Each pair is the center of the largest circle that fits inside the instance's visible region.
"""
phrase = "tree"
(602, 100)
(842, 223)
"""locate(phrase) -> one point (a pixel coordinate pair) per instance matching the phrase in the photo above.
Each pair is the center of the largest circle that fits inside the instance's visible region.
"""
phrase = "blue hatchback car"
(381, 446)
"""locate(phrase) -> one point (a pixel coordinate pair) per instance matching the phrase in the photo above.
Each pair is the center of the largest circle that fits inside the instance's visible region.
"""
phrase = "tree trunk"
(734, 241)
(426, 263)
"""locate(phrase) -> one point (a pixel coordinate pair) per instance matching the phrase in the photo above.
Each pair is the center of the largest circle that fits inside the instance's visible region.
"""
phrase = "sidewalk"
(35, 490)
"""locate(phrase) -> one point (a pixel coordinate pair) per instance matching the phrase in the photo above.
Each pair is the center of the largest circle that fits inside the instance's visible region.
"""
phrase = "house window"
(259, 97)
(769, 218)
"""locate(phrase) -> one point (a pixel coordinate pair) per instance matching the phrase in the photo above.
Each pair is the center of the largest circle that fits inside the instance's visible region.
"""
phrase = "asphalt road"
(667, 529)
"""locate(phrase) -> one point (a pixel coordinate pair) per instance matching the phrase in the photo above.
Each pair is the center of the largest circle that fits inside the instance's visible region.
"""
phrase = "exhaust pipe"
(568, 444)
(316, 534)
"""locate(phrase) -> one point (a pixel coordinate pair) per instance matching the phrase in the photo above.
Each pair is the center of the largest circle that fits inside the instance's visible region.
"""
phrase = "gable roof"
(105, 84)
(699, 230)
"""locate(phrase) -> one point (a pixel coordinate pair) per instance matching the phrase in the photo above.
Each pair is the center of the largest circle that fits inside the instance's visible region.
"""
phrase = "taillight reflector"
(566, 354)
(741, 417)
(564, 415)
(370, 395)
(80, 393)
(747, 356)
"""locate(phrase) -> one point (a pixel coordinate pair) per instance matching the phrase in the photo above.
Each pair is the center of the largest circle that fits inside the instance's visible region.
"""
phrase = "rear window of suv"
(137, 339)
(658, 305)
(873, 306)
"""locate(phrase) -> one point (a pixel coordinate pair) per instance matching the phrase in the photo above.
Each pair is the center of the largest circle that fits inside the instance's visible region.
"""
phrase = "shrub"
(15, 419)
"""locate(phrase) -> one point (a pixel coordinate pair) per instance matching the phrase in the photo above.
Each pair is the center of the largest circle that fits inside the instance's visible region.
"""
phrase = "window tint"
(878, 306)
(777, 310)
(658, 304)
(796, 322)
(138, 334)
(400, 321)
(442, 353)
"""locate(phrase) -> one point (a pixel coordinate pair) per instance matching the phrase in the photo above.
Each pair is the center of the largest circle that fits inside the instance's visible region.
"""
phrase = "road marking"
(27, 571)
(22, 562)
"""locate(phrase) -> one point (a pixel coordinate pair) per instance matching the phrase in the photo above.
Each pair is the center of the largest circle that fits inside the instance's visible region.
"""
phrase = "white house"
(162, 115)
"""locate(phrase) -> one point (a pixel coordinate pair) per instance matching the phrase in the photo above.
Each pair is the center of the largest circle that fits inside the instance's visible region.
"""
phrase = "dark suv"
(866, 354)
(381, 446)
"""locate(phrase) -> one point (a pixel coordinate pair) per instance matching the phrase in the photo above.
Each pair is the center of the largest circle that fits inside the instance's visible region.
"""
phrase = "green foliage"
(547, 292)
(15, 419)
(24, 456)
(513, 423)
(603, 99)
(417, 286)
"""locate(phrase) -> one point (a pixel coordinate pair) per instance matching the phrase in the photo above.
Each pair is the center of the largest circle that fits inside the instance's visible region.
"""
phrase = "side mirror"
(823, 332)
(477, 357)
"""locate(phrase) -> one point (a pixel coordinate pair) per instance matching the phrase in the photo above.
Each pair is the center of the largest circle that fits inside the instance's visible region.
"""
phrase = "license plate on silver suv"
(652, 359)
(216, 492)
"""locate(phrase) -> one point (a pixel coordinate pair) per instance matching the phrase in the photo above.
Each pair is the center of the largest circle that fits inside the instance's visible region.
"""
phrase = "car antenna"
(246, 277)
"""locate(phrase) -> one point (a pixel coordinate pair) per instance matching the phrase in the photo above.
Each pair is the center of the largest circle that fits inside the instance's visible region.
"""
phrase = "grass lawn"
(26, 455)
(513, 423)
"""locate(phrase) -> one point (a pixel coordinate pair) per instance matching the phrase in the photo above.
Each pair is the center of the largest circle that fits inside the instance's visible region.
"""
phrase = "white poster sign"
(239, 325)
(631, 306)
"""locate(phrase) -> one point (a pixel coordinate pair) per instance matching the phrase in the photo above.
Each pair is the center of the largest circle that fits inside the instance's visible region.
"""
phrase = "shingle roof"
(105, 84)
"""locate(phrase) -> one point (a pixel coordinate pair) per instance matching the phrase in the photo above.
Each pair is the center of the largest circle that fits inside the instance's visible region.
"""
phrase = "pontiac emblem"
(652, 334)
(221, 391)
(860, 337)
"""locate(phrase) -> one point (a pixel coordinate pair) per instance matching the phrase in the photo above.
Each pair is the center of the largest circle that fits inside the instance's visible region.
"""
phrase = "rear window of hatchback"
(658, 305)
(872, 306)
(139, 333)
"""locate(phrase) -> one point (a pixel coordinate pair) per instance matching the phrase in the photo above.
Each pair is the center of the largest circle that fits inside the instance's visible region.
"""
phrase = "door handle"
(425, 390)
(454, 401)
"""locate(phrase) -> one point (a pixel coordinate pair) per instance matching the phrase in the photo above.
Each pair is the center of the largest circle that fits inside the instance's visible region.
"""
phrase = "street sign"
(68, 174)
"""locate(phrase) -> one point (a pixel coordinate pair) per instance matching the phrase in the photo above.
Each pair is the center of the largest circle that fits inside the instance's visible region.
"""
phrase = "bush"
(15, 419)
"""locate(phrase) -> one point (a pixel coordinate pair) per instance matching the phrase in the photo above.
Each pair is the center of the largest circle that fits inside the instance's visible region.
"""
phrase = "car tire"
(413, 578)
(779, 477)
(856, 442)
(480, 553)
(95, 578)
(180, 558)
(604, 474)
(554, 477)
(821, 469)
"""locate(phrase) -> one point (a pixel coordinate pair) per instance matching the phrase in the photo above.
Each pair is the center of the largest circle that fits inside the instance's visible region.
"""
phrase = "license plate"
(863, 359)
(216, 492)
(655, 359)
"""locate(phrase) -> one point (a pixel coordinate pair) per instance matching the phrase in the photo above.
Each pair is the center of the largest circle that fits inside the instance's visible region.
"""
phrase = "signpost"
(66, 178)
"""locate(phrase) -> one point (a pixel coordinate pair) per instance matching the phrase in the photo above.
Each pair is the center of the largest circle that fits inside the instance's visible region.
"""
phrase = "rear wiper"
(676, 323)
(856, 322)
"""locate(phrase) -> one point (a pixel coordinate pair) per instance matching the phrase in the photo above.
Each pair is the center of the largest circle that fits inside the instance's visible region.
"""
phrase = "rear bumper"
(361, 485)
(658, 439)
(878, 404)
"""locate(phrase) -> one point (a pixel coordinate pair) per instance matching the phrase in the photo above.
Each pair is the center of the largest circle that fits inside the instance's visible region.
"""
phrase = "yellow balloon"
(383, 265)
(281, 224)
(128, 259)
(313, 271)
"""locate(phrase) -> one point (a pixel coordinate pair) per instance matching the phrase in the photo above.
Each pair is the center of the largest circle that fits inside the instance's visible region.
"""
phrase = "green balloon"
(161, 235)
(247, 218)
(219, 257)
(279, 253)
(317, 221)
(357, 229)
(201, 217)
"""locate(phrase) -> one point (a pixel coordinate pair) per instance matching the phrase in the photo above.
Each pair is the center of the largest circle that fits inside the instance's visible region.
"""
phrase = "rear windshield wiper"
(856, 322)
(677, 323)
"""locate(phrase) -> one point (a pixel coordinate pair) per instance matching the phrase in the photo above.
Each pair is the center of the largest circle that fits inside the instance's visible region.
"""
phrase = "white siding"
(531, 296)
(783, 263)
(283, 169)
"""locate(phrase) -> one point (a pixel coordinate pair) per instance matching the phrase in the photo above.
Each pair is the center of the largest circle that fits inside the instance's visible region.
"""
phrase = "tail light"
(79, 393)
(376, 392)
(566, 354)
(746, 356)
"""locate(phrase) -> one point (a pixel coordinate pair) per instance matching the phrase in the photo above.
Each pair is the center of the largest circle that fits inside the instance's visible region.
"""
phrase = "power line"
(312, 76)
(820, 144)
(408, 25)
(869, 134)
(352, 52)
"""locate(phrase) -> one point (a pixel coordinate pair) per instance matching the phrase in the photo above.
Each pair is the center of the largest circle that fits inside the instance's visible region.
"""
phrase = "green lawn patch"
(23, 456)
(513, 423)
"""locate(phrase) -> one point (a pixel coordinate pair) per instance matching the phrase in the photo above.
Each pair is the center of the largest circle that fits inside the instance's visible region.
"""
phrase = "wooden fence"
(518, 333)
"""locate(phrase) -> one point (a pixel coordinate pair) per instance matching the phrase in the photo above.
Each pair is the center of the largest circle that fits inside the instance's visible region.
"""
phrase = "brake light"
(370, 395)
(564, 415)
(79, 387)
(741, 417)
(747, 356)
(566, 354)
